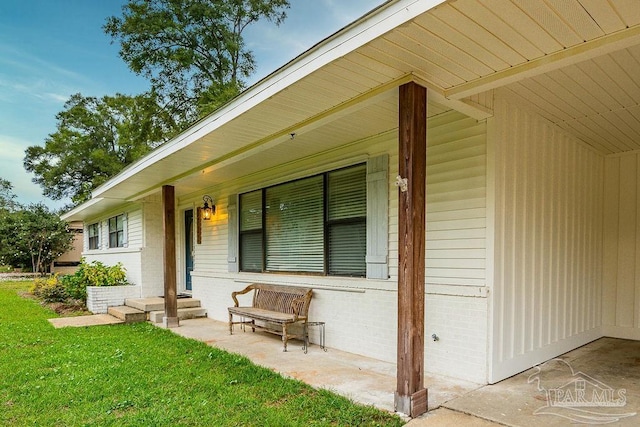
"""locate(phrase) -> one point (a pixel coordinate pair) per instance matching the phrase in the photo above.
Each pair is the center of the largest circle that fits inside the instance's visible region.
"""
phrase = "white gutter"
(82, 207)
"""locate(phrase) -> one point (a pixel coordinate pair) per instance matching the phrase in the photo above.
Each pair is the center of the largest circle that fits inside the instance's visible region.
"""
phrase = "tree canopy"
(30, 235)
(95, 139)
(192, 51)
(7, 196)
(194, 55)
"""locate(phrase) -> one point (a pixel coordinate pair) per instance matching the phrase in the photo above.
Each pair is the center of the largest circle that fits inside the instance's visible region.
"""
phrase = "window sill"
(336, 283)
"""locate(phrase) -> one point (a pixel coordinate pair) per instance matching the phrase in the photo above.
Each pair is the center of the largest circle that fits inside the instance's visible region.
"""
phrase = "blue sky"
(51, 49)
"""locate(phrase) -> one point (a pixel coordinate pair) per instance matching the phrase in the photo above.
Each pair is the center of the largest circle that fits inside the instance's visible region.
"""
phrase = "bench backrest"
(280, 298)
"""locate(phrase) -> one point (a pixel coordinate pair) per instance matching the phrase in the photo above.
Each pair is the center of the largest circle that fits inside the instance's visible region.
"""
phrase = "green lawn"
(140, 375)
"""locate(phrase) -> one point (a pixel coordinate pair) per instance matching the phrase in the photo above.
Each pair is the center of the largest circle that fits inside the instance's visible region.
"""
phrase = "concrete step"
(183, 313)
(157, 303)
(127, 314)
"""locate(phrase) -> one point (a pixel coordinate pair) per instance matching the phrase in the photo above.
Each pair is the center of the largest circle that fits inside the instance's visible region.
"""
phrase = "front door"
(188, 247)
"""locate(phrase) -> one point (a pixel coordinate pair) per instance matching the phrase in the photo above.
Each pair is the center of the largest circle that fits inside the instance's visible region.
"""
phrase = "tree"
(95, 139)
(191, 50)
(33, 235)
(7, 197)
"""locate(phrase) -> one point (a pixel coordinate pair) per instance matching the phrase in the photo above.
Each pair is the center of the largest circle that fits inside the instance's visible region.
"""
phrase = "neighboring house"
(532, 217)
(68, 262)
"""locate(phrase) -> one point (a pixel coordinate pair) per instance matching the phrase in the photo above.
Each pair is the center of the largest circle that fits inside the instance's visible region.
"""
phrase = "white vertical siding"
(621, 258)
(547, 242)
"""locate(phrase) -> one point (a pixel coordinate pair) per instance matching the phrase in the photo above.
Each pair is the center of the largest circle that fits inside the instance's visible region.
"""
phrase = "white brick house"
(533, 132)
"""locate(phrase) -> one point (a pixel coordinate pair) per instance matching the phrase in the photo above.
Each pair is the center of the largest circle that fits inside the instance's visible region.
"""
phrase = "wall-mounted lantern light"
(208, 211)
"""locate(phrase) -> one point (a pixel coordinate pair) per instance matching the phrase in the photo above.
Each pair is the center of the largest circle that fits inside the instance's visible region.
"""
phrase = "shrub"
(50, 289)
(74, 287)
(94, 273)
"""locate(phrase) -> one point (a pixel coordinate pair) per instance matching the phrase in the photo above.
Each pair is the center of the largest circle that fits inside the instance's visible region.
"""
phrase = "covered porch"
(530, 132)
(518, 401)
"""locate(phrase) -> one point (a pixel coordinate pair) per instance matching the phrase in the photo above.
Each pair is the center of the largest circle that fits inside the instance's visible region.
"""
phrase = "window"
(346, 222)
(116, 231)
(94, 236)
(313, 225)
(251, 231)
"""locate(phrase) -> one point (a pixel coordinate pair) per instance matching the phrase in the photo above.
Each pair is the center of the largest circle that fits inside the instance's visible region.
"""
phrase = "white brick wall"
(100, 298)
(129, 257)
(461, 326)
(363, 320)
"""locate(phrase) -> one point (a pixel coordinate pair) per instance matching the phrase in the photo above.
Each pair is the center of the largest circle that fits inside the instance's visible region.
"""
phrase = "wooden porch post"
(411, 396)
(170, 319)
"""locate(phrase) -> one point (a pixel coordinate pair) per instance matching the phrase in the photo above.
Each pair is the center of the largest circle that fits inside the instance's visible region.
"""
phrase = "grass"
(140, 375)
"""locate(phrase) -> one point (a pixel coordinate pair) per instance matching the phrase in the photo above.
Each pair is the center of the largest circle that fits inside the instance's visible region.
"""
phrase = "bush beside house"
(73, 287)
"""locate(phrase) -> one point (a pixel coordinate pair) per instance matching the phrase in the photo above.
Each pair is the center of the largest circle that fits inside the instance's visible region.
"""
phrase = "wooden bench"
(273, 305)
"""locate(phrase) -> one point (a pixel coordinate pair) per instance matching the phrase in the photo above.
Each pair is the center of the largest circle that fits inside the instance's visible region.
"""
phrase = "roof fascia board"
(364, 30)
(588, 50)
(73, 213)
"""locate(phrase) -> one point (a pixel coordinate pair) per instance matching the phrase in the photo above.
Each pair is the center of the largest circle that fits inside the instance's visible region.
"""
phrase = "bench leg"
(285, 338)
(230, 324)
(305, 333)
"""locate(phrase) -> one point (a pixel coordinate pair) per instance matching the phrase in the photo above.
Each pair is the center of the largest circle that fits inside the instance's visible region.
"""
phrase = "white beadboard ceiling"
(577, 62)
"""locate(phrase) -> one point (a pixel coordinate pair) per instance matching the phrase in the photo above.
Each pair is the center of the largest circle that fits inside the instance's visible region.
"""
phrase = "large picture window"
(94, 236)
(313, 225)
(116, 231)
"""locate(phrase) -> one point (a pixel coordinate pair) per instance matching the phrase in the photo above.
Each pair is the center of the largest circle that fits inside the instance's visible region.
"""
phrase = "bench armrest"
(242, 292)
(296, 305)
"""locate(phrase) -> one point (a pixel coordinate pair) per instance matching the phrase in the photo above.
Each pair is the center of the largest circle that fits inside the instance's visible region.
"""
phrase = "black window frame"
(116, 236)
(327, 226)
(93, 239)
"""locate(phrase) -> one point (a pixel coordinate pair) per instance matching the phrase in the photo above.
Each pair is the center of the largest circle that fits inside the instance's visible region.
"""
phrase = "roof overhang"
(460, 51)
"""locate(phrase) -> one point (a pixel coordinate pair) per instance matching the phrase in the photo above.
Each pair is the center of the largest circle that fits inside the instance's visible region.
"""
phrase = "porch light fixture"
(208, 211)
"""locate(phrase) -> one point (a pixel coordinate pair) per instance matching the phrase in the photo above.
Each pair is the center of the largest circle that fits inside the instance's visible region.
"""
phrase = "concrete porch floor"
(364, 380)
(605, 371)
(609, 366)
(522, 400)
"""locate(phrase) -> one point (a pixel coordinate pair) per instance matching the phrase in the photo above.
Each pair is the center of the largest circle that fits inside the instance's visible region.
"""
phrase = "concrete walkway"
(80, 321)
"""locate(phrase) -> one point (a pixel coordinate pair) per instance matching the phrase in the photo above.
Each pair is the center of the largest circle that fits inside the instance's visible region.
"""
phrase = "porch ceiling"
(575, 61)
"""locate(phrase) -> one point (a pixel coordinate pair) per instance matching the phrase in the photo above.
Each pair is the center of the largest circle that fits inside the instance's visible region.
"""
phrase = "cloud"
(25, 75)
(31, 64)
(12, 148)
(344, 12)
(11, 168)
(275, 46)
(56, 97)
